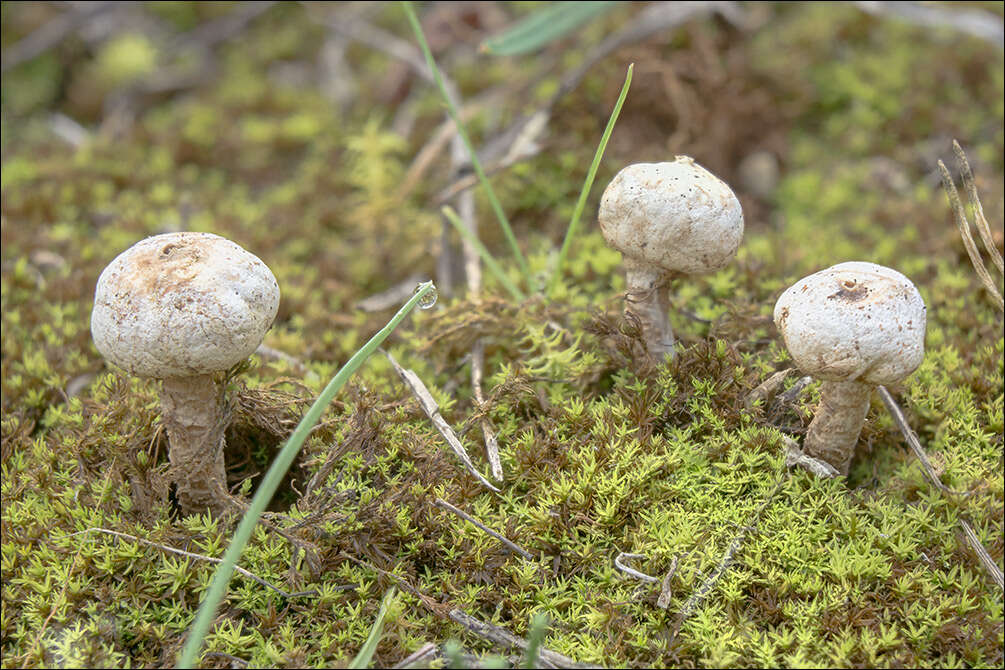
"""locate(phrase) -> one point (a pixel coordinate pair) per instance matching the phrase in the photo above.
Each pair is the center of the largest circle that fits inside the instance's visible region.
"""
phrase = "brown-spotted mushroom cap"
(676, 216)
(182, 304)
(854, 322)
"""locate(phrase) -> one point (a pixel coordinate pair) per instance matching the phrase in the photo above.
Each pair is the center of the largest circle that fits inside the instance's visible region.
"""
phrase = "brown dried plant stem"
(699, 595)
(498, 635)
(201, 557)
(512, 546)
(912, 439)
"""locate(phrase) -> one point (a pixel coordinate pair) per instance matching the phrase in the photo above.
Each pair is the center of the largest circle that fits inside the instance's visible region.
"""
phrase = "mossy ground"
(604, 452)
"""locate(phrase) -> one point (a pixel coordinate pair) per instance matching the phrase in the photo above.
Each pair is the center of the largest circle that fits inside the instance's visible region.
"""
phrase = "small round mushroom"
(854, 326)
(184, 307)
(667, 219)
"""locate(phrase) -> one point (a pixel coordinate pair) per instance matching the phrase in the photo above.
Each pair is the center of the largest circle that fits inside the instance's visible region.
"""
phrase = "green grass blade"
(365, 654)
(490, 262)
(475, 163)
(543, 26)
(590, 176)
(225, 570)
(535, 638)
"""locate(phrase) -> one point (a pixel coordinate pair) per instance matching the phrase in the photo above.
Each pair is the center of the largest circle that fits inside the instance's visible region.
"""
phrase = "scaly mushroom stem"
(647, 299)
(835, 428)
(195, 419)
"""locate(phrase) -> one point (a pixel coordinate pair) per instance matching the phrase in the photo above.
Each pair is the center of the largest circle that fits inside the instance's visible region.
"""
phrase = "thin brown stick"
(766, 389)
(665, 590)
(491, 442)
(512, 546)
(968, 531)
(976, 22)
(201, 557)
(428, 602)
(983, 555)
(498, 635)
(914, 443)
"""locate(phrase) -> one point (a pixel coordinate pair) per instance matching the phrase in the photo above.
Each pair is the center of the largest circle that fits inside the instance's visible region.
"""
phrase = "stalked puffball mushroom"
(854, 326)
(183, 308)
(667, 220)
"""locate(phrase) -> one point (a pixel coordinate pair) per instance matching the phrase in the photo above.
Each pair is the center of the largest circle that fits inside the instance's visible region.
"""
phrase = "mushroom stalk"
(195, 418)
(648, 301)
(834, 431)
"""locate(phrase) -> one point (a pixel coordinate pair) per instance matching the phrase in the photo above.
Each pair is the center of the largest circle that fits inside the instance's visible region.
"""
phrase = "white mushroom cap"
(676, 216)
(854, 322)
(182, 304)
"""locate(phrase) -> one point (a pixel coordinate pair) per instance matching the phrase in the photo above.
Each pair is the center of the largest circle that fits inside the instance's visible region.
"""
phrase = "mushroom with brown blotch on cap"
(182, 308)
(854, 326)
(667, 219)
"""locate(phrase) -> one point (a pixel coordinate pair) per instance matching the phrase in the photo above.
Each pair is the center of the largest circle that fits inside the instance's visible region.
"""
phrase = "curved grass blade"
(475, 163)
(570, 232)
(535, 638)
(278, 469)
(543, 26)
(365, 654)
(490, 262)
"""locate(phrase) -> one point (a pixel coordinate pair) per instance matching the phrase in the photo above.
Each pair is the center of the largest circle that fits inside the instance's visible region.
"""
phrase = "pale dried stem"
(195, 418)
(699, 595)
(968, 239)
(980, 221)
(914, 442)
(190, 554)
(512, 546)
(647, 301)
(834, 430)
(632, 572)
(912, 439)
(500, 636)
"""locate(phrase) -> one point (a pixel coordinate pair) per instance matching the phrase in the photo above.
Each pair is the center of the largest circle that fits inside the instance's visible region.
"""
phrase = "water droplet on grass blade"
(427, 301)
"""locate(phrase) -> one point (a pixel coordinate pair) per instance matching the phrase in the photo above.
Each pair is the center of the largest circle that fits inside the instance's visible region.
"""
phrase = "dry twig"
(794, 457)
(426, 652)
(914, 443)
(631, 572)
(706, 586)
(512, 546)
(201, 557)
(50, 34)
(983, 555)
(498, 635)
(968, 531)
(766, 389)
(432, 410)
(665, 592)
